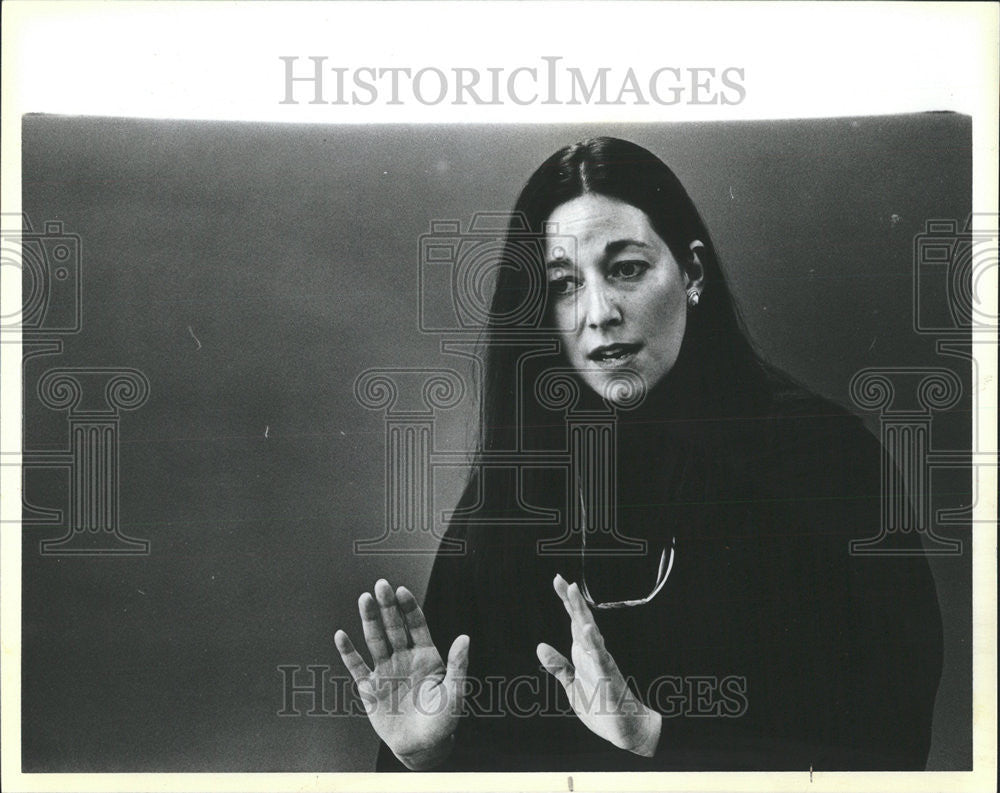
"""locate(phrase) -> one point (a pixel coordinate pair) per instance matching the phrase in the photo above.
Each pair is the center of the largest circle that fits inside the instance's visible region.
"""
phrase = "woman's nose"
(601, 309)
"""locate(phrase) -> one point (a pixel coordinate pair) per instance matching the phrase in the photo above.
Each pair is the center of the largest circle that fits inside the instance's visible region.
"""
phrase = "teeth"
(614, 354)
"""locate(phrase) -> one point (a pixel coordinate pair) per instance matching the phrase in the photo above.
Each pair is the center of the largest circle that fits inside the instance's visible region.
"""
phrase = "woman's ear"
(694, 270)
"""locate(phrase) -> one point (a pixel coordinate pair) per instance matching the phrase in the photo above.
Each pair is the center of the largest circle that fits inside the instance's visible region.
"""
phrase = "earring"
(692, 297)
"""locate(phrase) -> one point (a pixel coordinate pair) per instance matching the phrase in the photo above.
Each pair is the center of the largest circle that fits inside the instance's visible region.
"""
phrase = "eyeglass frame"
(663, 573)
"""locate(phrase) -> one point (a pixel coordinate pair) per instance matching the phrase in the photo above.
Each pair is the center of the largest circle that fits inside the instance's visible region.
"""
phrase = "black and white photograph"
(607, 442)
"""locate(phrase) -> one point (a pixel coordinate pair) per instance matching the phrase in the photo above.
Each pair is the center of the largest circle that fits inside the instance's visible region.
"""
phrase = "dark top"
(770, 647)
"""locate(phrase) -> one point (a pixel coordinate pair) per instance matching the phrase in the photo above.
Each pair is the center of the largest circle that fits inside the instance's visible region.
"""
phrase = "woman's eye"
(562, 286)
(561, 283)
(629, 268)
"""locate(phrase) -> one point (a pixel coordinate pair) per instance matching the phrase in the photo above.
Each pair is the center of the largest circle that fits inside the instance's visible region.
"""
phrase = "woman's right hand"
(413, 701)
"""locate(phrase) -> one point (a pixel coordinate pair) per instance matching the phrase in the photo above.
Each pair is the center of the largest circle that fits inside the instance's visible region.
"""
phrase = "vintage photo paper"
(273, 342)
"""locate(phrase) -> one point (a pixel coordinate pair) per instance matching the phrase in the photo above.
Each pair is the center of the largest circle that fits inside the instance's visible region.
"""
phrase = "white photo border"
(181, 60)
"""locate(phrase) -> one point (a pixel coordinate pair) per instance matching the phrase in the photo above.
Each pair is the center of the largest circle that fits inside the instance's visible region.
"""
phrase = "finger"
(589, 652)
(556, 664)
(573, 601)
(576, 630)
(371, 623)
(352, 658)
(413, 615)
(578, 606)
(392, 619)
(560, 585)
(458, 660)
(591, 639)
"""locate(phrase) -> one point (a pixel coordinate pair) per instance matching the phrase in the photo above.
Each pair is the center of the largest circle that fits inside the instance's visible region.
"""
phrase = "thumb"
(458, 663)
(555, 664)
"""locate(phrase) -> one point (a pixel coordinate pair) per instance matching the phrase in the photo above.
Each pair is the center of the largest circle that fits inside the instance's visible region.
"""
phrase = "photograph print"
(580, 447)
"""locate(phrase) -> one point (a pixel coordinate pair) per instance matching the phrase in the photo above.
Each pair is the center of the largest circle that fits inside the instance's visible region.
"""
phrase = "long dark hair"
(717, 375)
(731, 377)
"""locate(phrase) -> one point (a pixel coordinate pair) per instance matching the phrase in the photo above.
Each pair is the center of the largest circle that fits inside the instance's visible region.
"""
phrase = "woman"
(746, 636)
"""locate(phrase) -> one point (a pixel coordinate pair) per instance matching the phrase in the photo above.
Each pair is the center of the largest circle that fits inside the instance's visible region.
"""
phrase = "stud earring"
(692, 297)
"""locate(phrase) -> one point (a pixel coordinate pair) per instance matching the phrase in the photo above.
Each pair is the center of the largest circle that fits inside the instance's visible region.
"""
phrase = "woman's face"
(618, 296)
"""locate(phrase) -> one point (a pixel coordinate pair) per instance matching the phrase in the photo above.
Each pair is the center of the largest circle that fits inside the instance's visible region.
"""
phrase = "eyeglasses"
(666, 565)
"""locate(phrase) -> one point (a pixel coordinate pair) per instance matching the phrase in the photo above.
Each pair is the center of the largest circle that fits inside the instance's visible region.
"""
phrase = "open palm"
(412, 698)
(596, 688)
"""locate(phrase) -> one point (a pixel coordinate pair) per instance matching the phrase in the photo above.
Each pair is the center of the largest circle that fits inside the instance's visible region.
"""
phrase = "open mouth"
(614, 354)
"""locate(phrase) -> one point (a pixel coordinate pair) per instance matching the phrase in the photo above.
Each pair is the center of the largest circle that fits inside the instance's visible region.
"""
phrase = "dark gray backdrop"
(252, 271)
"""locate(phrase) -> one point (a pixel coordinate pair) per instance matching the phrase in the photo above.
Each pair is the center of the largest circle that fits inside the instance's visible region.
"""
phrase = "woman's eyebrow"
(610, 249)
(615, 246)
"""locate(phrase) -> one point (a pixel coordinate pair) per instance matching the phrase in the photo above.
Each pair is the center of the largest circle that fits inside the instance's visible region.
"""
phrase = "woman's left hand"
(596, 688)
